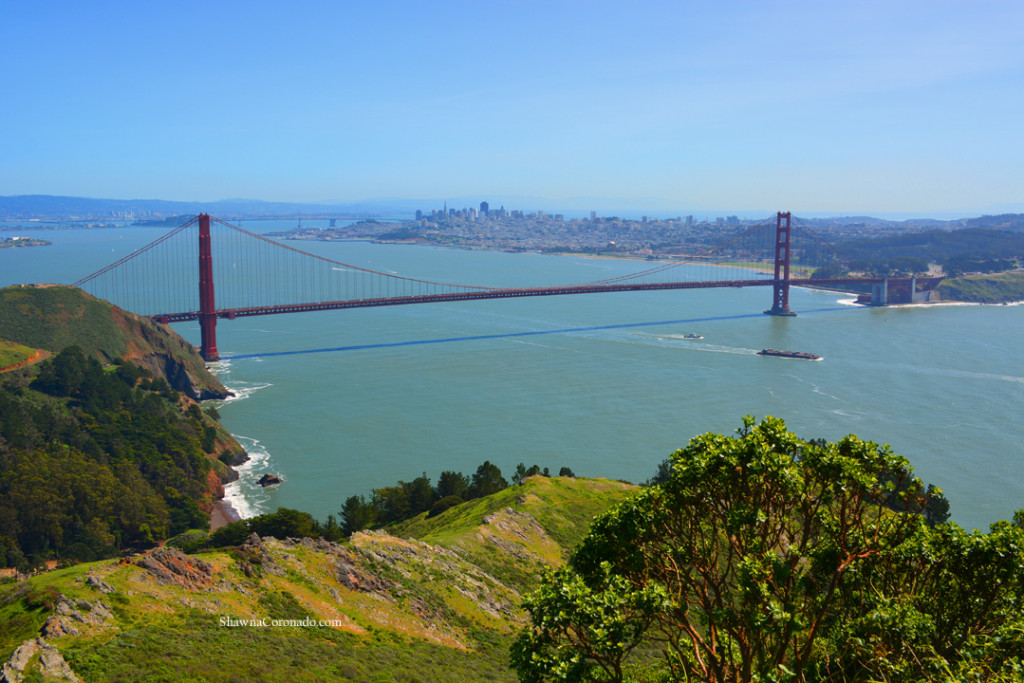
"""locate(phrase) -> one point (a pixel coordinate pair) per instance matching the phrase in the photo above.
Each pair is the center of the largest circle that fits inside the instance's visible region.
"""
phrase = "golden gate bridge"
(254, 275)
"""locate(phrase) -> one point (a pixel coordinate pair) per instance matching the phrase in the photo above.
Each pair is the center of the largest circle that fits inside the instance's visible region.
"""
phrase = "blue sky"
(848, 107)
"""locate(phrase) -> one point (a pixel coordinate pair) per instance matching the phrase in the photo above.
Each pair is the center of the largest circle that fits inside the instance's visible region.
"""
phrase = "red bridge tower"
(207, 309)
(780, 290)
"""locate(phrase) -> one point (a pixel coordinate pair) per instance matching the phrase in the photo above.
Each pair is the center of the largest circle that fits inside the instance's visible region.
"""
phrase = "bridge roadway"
(505, 293)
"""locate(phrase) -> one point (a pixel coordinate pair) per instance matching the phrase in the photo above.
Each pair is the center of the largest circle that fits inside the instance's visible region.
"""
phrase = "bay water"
(338, 403)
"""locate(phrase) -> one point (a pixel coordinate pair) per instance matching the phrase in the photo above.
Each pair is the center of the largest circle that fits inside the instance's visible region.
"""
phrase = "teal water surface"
(604, 384)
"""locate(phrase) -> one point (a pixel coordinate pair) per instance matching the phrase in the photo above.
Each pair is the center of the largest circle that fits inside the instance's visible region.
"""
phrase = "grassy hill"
(54, 317)
(427, 600)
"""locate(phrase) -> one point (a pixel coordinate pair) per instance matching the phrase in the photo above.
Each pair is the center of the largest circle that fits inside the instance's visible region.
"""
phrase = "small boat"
(788, 354)
(693, 335)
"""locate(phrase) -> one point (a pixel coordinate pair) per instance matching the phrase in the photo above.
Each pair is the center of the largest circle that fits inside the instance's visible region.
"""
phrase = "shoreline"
(222, 514)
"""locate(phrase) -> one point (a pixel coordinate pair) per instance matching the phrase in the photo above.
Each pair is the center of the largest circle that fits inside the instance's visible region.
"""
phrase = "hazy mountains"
(69, 209)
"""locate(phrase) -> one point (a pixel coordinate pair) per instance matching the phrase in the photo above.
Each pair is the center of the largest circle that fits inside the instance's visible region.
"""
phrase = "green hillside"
(54, 317)
(986, 289)
(432, 600)
(536, 523)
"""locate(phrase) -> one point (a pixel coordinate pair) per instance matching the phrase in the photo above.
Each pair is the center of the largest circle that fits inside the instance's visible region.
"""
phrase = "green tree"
(392, 503)
(420, 494)
(356, 514)
(777, 558)
(952, 610)
(452, 484)
(487, 480)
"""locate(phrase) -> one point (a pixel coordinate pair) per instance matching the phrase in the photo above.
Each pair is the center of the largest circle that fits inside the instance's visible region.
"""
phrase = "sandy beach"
(223, 514)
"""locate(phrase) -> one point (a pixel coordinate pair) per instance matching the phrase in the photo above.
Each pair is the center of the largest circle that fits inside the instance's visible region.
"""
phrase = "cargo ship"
(788, 354)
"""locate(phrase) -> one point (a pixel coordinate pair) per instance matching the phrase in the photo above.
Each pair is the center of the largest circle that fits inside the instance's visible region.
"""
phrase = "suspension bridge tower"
(780, 288)
(207, 309)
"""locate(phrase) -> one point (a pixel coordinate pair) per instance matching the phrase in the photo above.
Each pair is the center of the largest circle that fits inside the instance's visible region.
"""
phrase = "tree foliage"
(94, 460)
(764, 557)
(972, 249)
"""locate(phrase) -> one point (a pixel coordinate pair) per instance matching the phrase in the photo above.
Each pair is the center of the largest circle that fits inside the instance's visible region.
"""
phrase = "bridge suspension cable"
(255, 275)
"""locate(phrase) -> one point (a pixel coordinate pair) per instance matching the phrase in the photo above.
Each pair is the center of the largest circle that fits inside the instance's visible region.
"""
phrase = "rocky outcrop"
(514, 532)
(226, 476)
(164, 353)
(170, 566)
(51, 663)
(269, 480)
(99, 584)
(70, 613)
(354, 577)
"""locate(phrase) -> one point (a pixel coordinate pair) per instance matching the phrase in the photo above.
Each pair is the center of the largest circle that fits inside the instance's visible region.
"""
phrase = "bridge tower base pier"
(780, 290)
(880, 293)
(207, 309)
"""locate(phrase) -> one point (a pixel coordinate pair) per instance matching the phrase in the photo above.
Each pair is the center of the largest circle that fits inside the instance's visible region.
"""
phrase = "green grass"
(563, 506)
(56, 317)
(438, 617)
(11, 353)
(195, 647)
(23, 609)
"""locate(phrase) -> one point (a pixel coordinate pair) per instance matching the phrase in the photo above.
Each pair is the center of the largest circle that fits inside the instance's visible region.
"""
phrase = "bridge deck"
(517, 292)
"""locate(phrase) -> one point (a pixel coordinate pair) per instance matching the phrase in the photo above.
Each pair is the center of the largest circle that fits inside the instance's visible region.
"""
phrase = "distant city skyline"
(892, 108)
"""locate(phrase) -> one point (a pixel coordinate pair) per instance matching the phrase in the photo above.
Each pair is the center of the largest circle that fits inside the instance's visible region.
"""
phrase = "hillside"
(54, 317)
(429, 600)
(986, 289)
(96, 461)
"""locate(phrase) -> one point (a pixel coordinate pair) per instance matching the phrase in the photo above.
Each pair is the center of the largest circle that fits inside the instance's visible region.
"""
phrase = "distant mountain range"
(71, 209)
(50, 207)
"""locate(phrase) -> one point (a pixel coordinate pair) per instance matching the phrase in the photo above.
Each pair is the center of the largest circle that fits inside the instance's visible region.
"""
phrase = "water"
(604, 384)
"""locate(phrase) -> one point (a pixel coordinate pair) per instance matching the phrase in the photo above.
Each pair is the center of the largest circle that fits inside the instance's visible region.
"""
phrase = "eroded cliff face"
(167, 355)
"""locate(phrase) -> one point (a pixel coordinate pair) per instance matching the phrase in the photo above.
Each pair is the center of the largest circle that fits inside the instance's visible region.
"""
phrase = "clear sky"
(835, 106)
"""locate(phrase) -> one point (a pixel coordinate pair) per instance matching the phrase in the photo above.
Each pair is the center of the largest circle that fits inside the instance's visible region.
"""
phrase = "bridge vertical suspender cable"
(308, 282)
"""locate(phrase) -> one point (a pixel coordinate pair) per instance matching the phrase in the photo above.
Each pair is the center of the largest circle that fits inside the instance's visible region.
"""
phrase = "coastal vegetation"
(437, 603)
(408, 499)
(984, 250)
(760, 556)
(765, 557)
(102, 447)
(97, 460)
